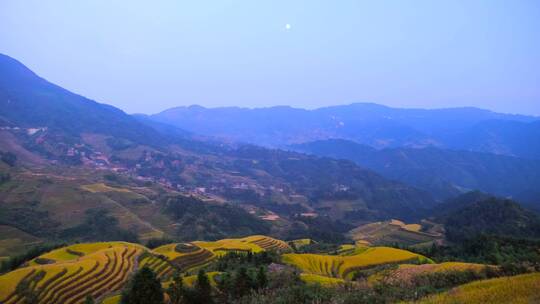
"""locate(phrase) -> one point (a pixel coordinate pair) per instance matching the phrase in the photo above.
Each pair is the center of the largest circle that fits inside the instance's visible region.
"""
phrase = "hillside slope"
(67, 139)
(28, 101)
(444, 173)
(477, 214)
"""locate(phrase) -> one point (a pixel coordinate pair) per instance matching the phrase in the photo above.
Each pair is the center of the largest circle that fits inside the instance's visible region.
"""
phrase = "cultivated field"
(406, 272)
(393, 232)
(187, 256)
(338, 266)
(69, 274)
(13, 240)
(521, 289)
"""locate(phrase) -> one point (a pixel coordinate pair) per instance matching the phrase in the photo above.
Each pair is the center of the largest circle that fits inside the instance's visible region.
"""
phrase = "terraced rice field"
(187, 256)
(322, 280)
(112, 300)
(344, 266)
(406, 272)
(299, 243)
(223, 246)
(268, 243)
(68, 275)
(521, 289)
(347, 249)
(101, 187)
(183, 260)
(71, 277)
(391, 232)
(77, 251)
(161, 267)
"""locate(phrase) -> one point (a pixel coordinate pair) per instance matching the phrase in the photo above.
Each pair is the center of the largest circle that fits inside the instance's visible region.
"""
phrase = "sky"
(147, 56)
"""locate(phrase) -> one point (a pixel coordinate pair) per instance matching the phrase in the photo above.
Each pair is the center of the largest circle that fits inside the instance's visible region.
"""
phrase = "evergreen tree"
(176, 290)
(223, 285)
(242, 283)
(89, 300)
(144, 288)
(203, 289)
(262, 280)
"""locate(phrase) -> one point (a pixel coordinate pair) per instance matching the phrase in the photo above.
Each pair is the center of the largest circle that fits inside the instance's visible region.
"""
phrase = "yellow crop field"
(521, 289)
(344, 266)
(185, 259)
(346, 247)
(112, 300)
(318, 279)
(391, 232)
(222, 246)
(267, 243)
(162, 268)
(187, 256)
(459, 266)
(168, 251)
(299, 243)
(8, 282)
(96, 269)
(77, 251)
(190, 280)
(412, 227)
(101, 187)
(101, 269)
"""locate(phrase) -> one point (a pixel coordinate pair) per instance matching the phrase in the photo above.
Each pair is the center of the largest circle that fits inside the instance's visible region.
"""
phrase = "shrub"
(144, 288)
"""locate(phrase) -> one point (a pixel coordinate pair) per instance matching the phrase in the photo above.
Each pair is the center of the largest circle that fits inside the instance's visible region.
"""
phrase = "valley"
(228, 210)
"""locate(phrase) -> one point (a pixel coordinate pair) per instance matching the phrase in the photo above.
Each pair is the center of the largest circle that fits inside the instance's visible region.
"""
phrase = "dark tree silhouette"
(144, 288)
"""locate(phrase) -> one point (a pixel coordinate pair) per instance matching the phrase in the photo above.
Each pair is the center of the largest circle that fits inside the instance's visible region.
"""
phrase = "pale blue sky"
(146, 56)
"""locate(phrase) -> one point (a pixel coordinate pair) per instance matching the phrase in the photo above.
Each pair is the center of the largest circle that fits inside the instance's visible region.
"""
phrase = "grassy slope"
(13, 240)
(67, 199)
(406, 272)
(519, 289)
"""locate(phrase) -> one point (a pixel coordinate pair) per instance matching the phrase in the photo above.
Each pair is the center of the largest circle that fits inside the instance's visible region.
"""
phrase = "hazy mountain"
(371, 124)
(444, 173)
(55, 127)
(478, 214)
(28, 101)
(500, 137)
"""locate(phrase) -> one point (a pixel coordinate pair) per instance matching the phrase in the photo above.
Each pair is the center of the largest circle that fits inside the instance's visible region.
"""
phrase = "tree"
(89, 300)
(242, 283)
(203, 289)
(144, 288)
(176, 290)
(262, 280)
(223, 286)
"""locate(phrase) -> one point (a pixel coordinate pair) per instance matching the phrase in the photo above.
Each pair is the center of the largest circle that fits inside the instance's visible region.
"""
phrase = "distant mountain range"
(49, 126)
(67, 160)
(445, 173)
(371, 124)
